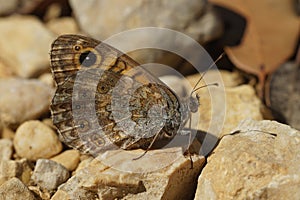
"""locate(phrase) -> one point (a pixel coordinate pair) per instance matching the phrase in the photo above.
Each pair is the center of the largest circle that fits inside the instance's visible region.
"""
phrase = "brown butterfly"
(105, 100)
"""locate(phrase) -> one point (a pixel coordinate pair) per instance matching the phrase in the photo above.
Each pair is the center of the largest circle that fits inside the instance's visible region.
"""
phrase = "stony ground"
(260, 161)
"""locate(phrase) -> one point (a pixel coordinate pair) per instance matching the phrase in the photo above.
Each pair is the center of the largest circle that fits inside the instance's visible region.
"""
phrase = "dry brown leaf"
(270, 37)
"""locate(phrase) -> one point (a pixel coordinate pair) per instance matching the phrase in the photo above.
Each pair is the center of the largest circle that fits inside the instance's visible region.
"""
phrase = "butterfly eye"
(87, 59)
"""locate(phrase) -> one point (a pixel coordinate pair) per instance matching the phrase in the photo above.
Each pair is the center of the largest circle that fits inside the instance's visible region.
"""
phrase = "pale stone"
(241, 103)
(133, 14)
(171, 81)
(24, 44)
(14, 189)
(253, 164)
(7, 133)
(49, 174)
(17, 6)
(38, 191)
(174, 181)
(36, 140)
(12, 168)
(53, 11)
(5, 70)
(63, 25)
(69, 159)
(8, 7)
(61, 195)
(28, 6)
(83, 163)
(23, 100)
(230, 79)
(6, 149)
(193, 18)
(49, 123)
(47, 79)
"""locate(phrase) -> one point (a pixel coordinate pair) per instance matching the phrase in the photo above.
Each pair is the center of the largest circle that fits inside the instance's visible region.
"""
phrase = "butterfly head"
(193, 103)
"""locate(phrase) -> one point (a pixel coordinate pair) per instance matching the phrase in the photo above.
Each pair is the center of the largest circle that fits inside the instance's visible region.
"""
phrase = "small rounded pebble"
(20, 48)
(49, 123)
(23, 100)
(47, 79)
(63, 25)
(8, 6)
(34, 140)
(69, 159)
(7, 133)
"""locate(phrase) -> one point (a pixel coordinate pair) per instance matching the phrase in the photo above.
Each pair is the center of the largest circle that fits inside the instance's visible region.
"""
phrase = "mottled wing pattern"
(105, 100)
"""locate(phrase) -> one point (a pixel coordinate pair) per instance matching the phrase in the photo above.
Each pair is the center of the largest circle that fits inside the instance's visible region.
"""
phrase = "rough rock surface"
(69, 159)
(8, 6)
(5, 70)
(34, 140)
(15, 168)
(66, 25)
(230, 79)
(7, 133)
(85, 161)
(118, 16)
(192, 18)
(6, 149)
(24, 44)
(14, 189)
(49, 122)
(23, 100)
(97, 180)
(47, 79)
(254, 164)
(49, 174)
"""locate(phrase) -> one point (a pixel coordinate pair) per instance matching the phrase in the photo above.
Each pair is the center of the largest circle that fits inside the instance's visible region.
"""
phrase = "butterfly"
(106, 100)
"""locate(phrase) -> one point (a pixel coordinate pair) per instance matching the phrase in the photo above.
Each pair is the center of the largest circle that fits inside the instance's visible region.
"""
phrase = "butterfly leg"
(190, 140)
(149, 147)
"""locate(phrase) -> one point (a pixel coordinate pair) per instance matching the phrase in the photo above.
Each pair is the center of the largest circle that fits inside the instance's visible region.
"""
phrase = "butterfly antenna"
(201, 77)
(211, 84)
